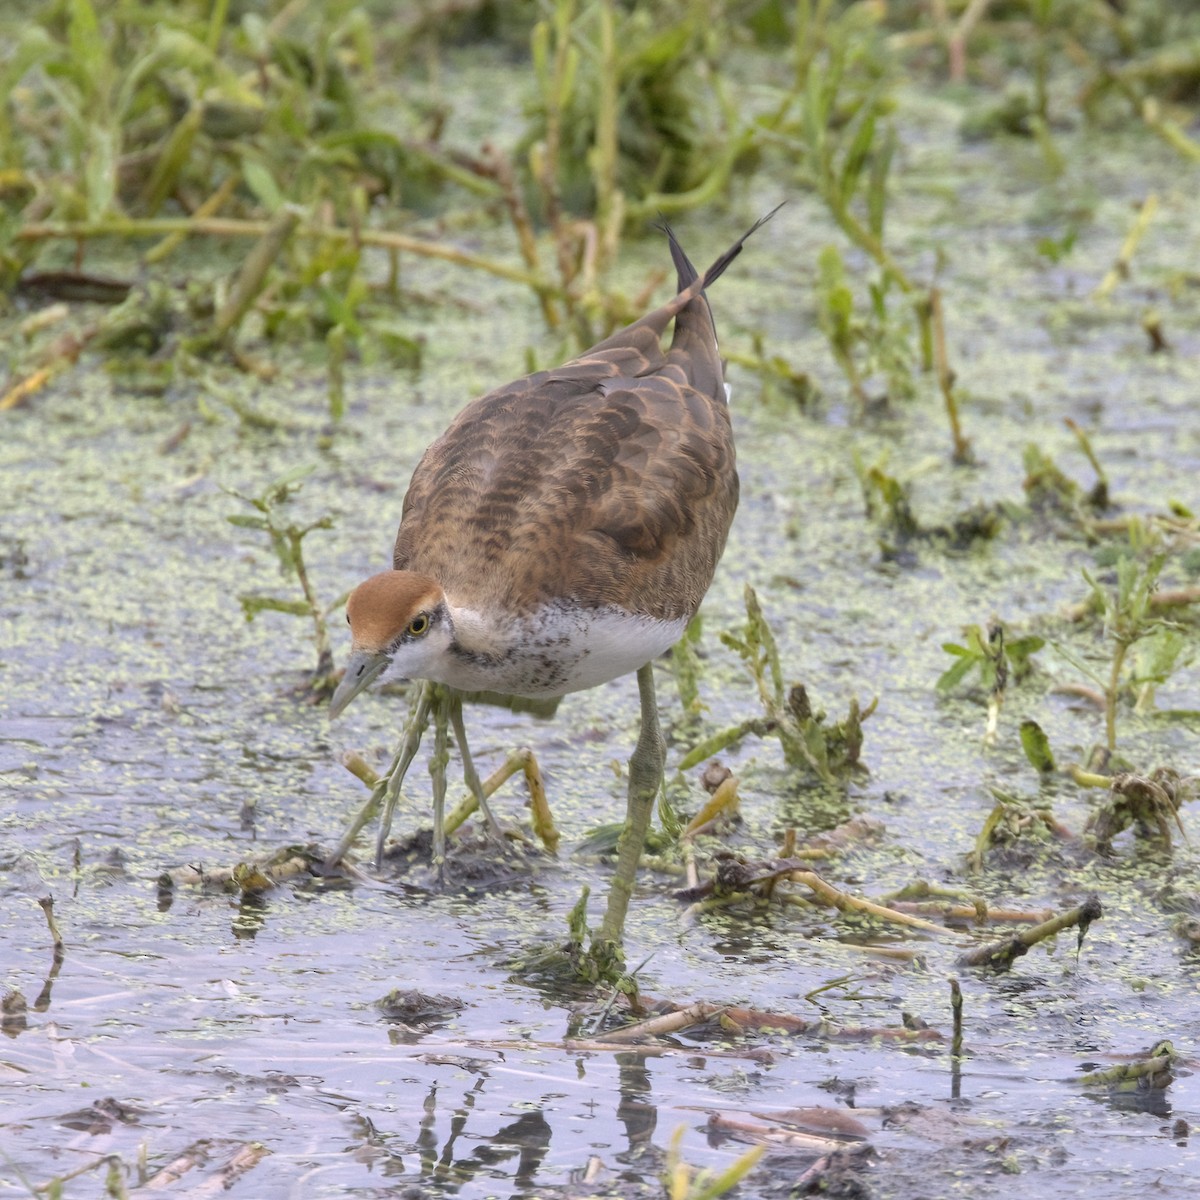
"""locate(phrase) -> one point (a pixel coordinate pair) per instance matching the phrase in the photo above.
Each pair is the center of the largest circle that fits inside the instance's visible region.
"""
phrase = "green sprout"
(1127, 611)
(286, 538)
(993, 656)
(829, 751)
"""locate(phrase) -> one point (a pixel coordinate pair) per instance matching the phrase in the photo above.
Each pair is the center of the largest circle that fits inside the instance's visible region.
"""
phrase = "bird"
(559, 534)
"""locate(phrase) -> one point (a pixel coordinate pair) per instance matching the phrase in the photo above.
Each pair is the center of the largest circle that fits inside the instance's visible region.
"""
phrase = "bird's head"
(399, 625)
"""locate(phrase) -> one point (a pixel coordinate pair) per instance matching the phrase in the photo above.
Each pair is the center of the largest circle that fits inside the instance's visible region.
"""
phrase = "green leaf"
(1080, 665)
(717, 743)
(881, 164)
(975, 641)
(1036, 745)
(1158, 654)
(856, 156)
(1020, 650)
(100, 172)
(89, 49)
(262, 183)
(957, 672)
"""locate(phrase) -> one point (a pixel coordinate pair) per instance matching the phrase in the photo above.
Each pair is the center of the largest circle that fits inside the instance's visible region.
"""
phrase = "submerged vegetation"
(207, 201)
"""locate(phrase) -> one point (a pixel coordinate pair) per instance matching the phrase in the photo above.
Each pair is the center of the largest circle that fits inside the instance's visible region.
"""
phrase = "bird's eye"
(419, 625)
(347, 618)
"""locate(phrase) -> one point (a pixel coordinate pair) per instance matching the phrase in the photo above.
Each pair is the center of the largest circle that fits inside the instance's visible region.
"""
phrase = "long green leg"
(437, 773)
(418, 722)
(469, 773)
(387, 790)
(645, 778)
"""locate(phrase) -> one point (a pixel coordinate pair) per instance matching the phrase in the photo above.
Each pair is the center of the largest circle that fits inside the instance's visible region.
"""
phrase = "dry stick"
(26, 387)
(1002, 953)
(65, 353)
(949, 911)
(776, 1135)
(1167, 598)
(1092, 695)
(543, 820)
(898, 953)
(46, 903)
(242, 1160)
(1120, 268)
(430, 1050)
(956, 1008)
(501, 171)
(815, 1180)
(752, 1018)
(235, 227)
(692, 873)
(250, 875)
(517, 760)
(360, 768)
(672, 1022)
(195, 1155)
(845, 902)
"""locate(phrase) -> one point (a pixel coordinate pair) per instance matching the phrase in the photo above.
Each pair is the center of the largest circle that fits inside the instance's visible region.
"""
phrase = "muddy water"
(147, 726)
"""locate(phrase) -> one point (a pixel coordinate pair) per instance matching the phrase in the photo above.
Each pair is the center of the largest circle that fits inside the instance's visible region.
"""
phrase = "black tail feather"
(687, 274)
(718, 268)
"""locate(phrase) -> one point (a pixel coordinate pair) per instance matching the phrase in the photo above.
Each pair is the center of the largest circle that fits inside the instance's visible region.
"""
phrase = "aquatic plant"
(1014, 820)
(830, 751)
(992, 655)
(844, 144)
(1148, 803)
(683, 1182)
(287, 538)
(1128, 617)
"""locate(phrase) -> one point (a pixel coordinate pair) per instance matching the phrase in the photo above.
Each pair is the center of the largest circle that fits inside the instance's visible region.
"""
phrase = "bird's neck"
(483, 634)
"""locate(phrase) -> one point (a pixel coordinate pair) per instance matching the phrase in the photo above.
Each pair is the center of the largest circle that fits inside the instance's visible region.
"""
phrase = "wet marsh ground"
(147, 726)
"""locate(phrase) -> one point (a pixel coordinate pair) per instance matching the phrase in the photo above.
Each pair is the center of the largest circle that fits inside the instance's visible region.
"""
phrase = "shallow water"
(147, 726)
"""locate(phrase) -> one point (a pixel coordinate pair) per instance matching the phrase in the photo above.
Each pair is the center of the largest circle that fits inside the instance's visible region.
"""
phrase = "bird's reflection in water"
(517, 1150)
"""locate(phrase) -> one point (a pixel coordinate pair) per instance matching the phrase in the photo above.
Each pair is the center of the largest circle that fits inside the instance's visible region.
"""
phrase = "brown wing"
(611, 479)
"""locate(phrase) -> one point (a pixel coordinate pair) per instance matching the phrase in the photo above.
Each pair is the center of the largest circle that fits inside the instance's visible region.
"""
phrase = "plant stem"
(233, 227)
(945, 376)
(1111, 693)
